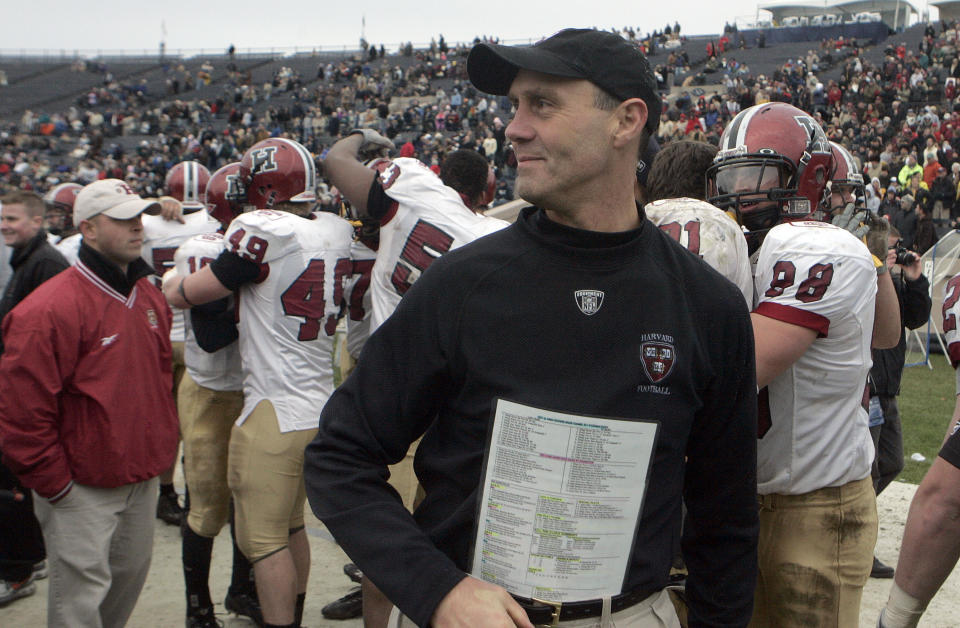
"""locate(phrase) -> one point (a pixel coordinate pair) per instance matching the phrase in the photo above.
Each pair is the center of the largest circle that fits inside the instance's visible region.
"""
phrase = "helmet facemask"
(757, 190)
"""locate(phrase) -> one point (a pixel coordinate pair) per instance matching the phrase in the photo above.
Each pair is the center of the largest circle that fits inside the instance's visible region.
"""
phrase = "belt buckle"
(554, 613)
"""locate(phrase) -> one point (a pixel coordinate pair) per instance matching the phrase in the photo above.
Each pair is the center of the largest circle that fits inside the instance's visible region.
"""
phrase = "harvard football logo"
(658, 358)
(589, 301)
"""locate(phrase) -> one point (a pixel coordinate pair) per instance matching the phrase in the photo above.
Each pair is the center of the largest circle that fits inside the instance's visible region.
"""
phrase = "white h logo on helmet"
(263, 160)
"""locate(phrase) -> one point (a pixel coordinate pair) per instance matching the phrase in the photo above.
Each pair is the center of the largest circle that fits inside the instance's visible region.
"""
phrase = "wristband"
(182, 293)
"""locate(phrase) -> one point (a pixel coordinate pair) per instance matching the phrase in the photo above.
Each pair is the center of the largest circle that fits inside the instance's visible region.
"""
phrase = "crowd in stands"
(908, 104)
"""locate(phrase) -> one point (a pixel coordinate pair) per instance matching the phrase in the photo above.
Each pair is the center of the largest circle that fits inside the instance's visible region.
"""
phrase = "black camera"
(905, 257)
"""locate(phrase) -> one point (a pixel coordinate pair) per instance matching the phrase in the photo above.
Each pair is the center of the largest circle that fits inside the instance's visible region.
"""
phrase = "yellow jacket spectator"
(908, 170)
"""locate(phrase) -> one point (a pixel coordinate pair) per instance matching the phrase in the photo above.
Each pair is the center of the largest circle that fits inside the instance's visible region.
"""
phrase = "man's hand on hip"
(474, 603)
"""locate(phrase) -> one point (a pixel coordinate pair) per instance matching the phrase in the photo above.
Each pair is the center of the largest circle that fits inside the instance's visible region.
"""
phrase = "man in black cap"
(582, 308)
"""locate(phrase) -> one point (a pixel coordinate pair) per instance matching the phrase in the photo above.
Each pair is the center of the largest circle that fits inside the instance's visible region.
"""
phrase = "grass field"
(926, 405)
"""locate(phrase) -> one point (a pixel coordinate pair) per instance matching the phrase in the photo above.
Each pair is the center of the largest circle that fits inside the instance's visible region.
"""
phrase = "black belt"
(546, 612)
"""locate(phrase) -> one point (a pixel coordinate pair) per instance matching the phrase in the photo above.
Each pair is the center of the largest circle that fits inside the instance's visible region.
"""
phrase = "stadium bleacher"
(53, 86)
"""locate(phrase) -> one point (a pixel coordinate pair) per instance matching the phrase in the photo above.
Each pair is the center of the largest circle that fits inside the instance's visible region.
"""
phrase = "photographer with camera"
(913, 293)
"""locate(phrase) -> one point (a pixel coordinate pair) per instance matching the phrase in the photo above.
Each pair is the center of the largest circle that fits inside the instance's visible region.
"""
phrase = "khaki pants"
(99, 544)
(206, 418)
(656, 611)
(816, 552)
(404, 480)
(179, 367)
(265, 473)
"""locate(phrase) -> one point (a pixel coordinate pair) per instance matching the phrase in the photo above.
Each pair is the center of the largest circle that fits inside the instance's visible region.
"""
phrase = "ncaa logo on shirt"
(589, 301)
(658, 358)
(152, 318)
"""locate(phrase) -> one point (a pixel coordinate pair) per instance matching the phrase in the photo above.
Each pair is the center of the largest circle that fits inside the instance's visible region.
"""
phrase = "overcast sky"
(215, 24)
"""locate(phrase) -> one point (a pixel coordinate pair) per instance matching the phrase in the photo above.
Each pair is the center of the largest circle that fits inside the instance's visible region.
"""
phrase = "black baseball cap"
(607, 60)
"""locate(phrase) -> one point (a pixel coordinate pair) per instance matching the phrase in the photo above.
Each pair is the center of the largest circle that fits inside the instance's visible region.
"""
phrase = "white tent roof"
(809, 9)
(940, 263)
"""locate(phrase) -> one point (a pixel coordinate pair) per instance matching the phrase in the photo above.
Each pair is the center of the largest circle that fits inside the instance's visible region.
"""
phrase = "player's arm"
(931, 543)
(874, 232)
(215, 281)
(248, 239)
(343, 167)
(195, 289)
(887, 326)
(778, 345)
(171, 209)
(954, 420)
(214, 325)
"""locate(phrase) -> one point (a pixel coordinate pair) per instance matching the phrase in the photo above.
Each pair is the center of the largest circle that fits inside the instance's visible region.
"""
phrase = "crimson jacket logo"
(658, 358)
(589, 301)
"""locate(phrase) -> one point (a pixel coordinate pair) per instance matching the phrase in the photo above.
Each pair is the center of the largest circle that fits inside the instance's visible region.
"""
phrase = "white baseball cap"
(111, 197)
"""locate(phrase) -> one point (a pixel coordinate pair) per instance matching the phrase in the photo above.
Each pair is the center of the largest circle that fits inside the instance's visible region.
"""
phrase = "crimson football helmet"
(846, 184)
(278, 170)
(59, 201)
(187, 182)
(225, 194)
(773, 165)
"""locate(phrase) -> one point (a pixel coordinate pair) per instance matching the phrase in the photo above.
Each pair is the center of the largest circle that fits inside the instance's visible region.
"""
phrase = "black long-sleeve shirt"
(914, 299)
(500, 318)
(33, 263)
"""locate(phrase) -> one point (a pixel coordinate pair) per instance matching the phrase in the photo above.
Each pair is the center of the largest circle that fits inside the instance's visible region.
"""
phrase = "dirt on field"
(162, 605)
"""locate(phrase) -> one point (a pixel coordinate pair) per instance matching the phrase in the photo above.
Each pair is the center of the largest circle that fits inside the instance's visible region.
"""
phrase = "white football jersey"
(359, 297)
(69, 247)
(813, 429)
(708, 232)
(289, 315)
(160, 241)
(221, 369)
(951, 312)
(429, 219)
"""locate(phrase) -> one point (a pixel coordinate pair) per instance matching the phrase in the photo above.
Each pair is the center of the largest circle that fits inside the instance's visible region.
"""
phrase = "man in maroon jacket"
(86, 416)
